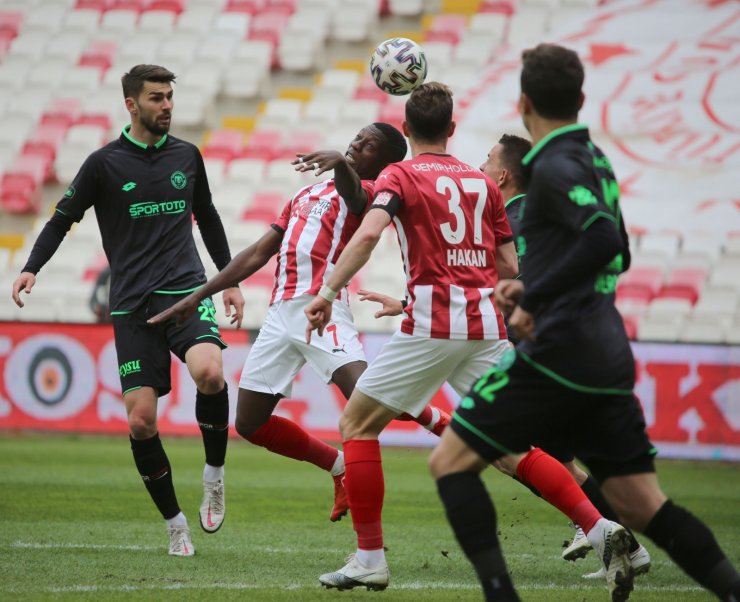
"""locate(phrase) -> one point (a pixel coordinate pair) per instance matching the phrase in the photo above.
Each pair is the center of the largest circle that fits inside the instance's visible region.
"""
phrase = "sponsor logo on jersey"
(128, 186)
(152, 208)
(70, 192)
(582, 196)
(179, 180)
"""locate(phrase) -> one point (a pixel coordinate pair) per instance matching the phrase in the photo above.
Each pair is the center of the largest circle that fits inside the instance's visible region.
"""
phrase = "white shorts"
(409, 370)
(280, 349)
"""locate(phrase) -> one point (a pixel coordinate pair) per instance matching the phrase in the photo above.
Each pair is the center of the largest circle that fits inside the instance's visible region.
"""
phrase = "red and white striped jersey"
(317, 225)
(449, 221)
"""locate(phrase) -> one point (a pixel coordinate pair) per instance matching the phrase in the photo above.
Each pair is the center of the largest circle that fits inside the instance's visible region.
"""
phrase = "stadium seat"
(688, 292)
(300, 142)
(648, 276)
(246, 171)
(660, 243)
(119, 21)
(406, 8)
(100, 54)
(262, 144)
(223, 144)
(299, 51)
(731, 247)
(504, 7)
(527, 25)
(701, 332)
(658, 328)
(250, 7)
(353, 21)
(636, 293)
(492, 24)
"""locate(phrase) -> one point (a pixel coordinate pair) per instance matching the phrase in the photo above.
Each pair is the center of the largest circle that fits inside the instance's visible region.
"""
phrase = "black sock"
(692, 546)
(592, 490)
(212, 414)
(472, 516)
(154, 468)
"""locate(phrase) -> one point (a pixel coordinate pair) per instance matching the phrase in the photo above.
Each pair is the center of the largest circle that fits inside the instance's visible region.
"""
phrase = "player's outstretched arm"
(24, 282)
(348, 183)
(246, 263)
(390, 305)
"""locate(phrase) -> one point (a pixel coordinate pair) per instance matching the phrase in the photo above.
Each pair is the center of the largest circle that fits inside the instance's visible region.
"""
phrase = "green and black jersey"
(574, 245)
(145, 199)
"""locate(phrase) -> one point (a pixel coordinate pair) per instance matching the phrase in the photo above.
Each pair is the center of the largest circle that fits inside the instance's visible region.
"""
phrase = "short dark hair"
(513, 149)
(395, 141)
(429, 112)
(552, 78)
(133, 81)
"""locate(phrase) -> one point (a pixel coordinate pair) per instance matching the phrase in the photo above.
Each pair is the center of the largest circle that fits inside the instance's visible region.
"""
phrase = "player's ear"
(130, 104)
(405, 129)
(451, 129)
(581, 100)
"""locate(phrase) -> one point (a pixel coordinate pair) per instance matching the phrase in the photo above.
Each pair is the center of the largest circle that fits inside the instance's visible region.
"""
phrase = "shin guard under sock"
(557, 486)
(154, 468)
(284, 437)
(472, 517)
(212, 414)
(365, 486)
(692, 546)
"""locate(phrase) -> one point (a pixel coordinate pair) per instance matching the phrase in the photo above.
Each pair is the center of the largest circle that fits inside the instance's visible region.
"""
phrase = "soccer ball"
(398, 66)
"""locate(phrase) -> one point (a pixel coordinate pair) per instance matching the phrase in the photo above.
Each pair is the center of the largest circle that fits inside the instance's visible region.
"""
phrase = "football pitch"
(76, 524)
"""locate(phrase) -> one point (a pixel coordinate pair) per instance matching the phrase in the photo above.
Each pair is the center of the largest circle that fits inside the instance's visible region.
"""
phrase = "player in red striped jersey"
(308, 236)
(455, 242)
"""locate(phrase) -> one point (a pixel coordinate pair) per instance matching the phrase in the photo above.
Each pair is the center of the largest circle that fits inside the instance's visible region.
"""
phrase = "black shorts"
(144, 350)
(507, 411)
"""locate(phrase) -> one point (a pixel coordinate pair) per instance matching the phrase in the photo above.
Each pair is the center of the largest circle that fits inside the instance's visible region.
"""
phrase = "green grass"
(76, 524)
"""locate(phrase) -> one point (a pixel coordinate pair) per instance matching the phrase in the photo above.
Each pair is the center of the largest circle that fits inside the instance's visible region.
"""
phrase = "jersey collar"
(125, 134)
(512, 199)
(567, 129)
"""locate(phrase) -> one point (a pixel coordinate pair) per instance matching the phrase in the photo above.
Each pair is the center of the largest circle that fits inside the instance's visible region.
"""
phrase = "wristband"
(404, 303)
(327, 293)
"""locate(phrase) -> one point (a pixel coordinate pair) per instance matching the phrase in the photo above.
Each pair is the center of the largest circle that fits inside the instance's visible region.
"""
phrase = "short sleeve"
(284, 218)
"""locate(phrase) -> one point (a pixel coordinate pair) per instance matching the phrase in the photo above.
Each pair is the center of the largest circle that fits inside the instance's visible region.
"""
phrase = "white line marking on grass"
(30, 545)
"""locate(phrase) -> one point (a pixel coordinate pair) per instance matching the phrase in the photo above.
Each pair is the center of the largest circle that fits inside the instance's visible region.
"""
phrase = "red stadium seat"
(224, 144)
(679, 291)
(133, 5)
(99, 5)
(694, 276)
(102, 120)
(649, 276)
(100, 54)
(265, 206)
(251, 7)
(268, 26)
(635, 293)
(446, 28)
(298, 143)
(262, 144)
(630, 325)
(393, 113)
(11, 22)
(505, 7)
(62, 112)
(173, 6)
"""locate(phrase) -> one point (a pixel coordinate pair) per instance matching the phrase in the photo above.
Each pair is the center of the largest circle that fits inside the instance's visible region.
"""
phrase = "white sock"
(370, 559)
(179, 519)
(338, 466)
(213, 473)
(596, 534)
(435, 419)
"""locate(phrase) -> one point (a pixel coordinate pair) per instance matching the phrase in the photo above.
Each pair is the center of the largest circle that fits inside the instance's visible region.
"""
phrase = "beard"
(154, 127)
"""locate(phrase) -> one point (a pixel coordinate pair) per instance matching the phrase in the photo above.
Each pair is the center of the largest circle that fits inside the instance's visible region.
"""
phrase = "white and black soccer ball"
(398, 65)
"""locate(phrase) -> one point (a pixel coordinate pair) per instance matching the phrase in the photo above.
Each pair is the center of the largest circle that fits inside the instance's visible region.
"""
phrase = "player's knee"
(142, 425)
(210, 379)
(248, 428)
